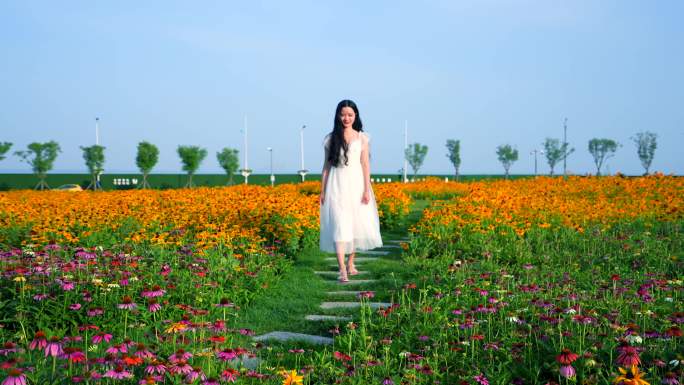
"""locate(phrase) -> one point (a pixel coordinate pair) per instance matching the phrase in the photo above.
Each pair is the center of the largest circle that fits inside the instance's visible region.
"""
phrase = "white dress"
(344, 219)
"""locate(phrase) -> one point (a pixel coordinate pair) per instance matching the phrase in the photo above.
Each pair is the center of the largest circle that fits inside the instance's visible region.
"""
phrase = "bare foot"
(352, 270)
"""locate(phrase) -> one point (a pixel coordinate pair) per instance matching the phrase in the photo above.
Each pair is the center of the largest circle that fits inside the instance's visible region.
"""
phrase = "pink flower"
(481, 379)
(39, 341)
(115, 349)
(567, 371)
(153, 306)
(53, 348)
(629, 356)
(227, 354)
(155, 367)
(229, 375)
(14, 377)
(75, 306)
(118, 373)
(156, 291)
(180, 355)
(99, 337)
(127, 303)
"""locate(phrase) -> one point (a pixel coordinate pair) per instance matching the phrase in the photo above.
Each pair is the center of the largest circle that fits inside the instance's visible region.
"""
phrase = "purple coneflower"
(153, 306)
(142, 352)
(227, 354)
(180, 355)
(180, 367)
(72, 354)
(40, 297)
(67, 285)
(155, 367)
(481, 379)
(9, 347)
(101, 336)
(229, 375)
(194, 374)
(116, 349)
(127, 303)
(95, 312)
(156, 291)
(629, 356)
(567, 371)
(14, 377)
(75, 306)
(118, 373)
(387, 381)
(54, 347)
(211, 381)
(669, 379)
(39, 341)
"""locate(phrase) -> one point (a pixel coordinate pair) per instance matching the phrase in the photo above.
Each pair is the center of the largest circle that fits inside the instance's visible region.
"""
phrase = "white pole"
(405, 147)
(301, 143)
(97, 131)
(246, 165)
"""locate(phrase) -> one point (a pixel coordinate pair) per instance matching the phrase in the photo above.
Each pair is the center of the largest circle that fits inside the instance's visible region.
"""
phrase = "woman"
(349, 214)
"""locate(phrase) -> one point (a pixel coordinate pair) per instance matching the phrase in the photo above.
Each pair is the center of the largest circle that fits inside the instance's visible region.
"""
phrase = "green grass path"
(300, 291)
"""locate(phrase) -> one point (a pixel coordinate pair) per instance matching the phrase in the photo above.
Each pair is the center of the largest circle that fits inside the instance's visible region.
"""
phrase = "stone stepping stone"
(335, 273)
(318, 317)
(397, 241)
(357, 259)
(343, 292)
(246, 361)
(391, 247)
(356, 282)
(289, 336)
(374, 252)
(349, 305)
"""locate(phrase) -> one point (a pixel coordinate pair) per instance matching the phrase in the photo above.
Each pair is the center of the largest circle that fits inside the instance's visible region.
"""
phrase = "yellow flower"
(291, 377)
(176, 327)
(631, 377)
(19, 278)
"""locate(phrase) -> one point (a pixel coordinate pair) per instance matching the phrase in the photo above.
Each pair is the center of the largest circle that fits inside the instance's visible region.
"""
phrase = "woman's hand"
(366, 197)
(321, 198)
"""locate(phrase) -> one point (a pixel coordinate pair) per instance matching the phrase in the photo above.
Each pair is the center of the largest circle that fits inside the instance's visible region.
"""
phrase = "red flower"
(566, 357)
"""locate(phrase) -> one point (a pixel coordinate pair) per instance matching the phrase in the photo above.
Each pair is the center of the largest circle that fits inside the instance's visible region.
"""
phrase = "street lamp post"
(245, 171)
(535, 152)
(565, 146)
(405, 147)
(302, 171)
(270, 151)
(97, 142)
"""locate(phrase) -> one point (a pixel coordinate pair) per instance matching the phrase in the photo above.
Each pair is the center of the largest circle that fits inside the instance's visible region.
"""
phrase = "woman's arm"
(324, 175)
(365, 166)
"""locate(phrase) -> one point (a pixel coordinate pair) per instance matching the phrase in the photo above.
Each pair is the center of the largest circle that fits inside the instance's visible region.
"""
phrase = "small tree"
(94, 158)
(646, 146)
(602, 149)
(507, 155)
(415, 155)
(228, 160)
(555, 152)
(191, 156)
(146, 159)
(4, 147)
(40, 156)
(454, 154)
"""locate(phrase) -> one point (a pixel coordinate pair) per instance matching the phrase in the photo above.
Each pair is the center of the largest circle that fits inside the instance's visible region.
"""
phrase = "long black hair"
(337, 141)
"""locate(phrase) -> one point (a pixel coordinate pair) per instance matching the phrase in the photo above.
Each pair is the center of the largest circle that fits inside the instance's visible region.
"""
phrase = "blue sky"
(485, 72)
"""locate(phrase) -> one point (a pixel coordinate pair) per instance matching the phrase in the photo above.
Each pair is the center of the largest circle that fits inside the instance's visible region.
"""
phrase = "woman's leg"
(339, 246)
(352, 267)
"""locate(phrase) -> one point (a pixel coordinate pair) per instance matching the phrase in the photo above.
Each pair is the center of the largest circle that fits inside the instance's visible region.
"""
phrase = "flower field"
(541, 280)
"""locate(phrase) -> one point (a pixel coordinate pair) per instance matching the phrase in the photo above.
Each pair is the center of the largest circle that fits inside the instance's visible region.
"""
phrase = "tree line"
(41, 157)
(601, 149)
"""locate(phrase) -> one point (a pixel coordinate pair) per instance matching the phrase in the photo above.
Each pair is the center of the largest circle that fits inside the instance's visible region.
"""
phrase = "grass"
(299, 292)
